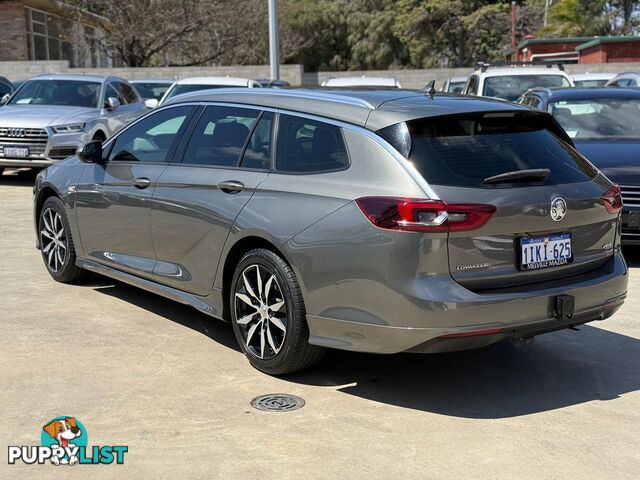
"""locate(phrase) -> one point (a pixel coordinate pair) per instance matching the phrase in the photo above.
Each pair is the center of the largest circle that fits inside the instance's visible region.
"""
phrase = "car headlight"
(72, 128)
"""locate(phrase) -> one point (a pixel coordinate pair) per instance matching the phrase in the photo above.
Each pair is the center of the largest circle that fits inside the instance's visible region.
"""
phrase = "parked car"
(592, 79)
(151, 89)
(604, 124)
(194, 84)
(52, 116)
(628, 79)
(265, 82)
(376, 221)
(6, 87)
(508, 83)
(370, 82)
(454, 85)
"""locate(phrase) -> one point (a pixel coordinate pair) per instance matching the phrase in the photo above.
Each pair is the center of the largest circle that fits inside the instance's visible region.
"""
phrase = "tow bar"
(564, 307)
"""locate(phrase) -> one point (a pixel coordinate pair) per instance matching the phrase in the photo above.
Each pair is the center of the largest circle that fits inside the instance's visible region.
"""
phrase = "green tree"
(575, 18)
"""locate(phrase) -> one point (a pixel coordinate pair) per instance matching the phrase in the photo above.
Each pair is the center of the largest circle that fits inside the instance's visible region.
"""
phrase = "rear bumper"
(457, 310)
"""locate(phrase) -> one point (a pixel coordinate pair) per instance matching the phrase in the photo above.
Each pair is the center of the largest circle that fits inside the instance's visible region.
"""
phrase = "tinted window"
(186, 88)
(463, 150)
(76, 93)
(598, 117)
(309, 146)
(111, 92)
(151, 89)
(590, 83)
(220, 136)
(152, 138)
(456, 87)
(510, 87)
(128, 94)
(473, 85)
(5, 88)
(258, 151)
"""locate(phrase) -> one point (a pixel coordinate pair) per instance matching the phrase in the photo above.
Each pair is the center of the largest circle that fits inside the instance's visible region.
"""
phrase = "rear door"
(196, 201)
(549, 223)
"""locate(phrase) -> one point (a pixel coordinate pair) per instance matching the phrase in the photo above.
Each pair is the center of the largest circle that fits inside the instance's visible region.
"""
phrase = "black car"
(604, 124)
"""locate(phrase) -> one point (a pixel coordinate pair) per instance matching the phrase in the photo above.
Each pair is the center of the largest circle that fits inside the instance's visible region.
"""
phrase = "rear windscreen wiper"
(531, 175)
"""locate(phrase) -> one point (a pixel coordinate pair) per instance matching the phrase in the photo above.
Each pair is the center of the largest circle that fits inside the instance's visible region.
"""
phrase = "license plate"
(16, 151)
(542, 252)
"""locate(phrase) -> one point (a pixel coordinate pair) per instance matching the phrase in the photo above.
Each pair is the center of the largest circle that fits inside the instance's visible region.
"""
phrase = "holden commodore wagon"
(375, 221)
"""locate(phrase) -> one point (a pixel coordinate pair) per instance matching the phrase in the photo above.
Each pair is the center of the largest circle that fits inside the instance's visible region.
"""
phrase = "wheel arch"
(45, 192)
(233, 256)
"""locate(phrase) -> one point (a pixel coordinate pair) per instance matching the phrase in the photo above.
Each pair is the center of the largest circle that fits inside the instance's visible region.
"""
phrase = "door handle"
(141, 182)
(231, 186)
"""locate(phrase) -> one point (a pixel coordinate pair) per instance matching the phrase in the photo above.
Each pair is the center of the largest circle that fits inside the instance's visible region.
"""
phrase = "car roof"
(62, 76)
(457, 79)
(372, 109)
(231, 81)
(586, 93)
(509, 71)
(594, 76)
(360, 81)
(151, 80)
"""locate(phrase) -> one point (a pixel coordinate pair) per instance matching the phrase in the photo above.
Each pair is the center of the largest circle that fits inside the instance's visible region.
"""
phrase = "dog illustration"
(63, 431)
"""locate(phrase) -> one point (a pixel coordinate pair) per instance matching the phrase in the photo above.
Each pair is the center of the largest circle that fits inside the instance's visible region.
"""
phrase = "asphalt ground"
(171, 385)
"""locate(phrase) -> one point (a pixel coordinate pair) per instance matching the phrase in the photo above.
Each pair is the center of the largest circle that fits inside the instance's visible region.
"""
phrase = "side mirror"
(5, 98)
(112, 103)
(151, 102)
(91, 153)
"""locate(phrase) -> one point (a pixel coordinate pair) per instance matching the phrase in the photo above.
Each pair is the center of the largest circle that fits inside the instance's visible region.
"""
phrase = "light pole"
(274, 44)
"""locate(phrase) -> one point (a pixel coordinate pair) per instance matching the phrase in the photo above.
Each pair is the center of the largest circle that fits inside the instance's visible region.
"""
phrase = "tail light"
(416, 215)
(612, 199)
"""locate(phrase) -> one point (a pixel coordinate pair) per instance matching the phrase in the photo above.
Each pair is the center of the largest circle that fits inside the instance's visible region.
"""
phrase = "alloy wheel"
(53, 240)
(261, 312)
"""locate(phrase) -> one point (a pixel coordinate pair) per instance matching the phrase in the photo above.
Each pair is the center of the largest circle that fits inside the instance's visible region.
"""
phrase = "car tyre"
(56, 244)
(268, 315)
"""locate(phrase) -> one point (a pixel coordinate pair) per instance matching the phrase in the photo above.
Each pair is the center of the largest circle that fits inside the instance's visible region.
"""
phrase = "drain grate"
(277, 402)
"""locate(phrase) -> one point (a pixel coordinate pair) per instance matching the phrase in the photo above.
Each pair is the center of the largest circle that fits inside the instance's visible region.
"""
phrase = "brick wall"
(622, 52)
(541, 48)
(13, 31)
(593, 54)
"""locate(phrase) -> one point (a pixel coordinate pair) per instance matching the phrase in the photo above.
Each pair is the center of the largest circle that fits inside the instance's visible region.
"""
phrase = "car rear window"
(464, 150)
(510, 87)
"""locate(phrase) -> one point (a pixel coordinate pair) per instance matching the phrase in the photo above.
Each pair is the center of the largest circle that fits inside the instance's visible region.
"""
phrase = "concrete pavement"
(171, 384)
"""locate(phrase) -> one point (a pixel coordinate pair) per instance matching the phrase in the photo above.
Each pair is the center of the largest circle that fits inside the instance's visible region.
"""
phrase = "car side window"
(128, 94)
(309, 146)
(257, 154)
(152, 138)
(534, 101)
(472, 88)
(111, 91)
(220, 136)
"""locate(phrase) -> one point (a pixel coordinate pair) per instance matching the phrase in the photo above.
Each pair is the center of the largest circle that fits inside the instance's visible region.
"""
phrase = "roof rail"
(483, 66)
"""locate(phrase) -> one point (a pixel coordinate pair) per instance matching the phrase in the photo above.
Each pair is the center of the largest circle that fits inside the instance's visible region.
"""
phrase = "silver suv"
(378, 221)
(50, 117)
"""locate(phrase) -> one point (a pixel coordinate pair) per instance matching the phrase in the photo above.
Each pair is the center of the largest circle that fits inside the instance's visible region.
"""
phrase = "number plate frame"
(549, 263)
(16, 152)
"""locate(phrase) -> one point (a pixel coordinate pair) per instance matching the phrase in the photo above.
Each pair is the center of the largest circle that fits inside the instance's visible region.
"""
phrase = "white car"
(194, 84)
(592, 79)
(508, 83)
(387, 82)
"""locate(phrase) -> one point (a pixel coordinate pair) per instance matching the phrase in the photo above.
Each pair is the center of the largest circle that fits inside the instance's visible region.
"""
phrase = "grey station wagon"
(376, 221)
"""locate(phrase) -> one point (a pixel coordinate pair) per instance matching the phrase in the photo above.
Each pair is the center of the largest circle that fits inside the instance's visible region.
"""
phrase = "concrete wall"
(294, 74)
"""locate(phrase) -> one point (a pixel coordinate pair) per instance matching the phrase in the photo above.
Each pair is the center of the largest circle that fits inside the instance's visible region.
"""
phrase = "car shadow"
(184, 315)
(19, 178)
(504, 380)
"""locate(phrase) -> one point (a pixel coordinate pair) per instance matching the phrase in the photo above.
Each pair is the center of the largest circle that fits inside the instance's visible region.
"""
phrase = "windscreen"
(590, 83)
(456, 87)
(464, 150)
(510, 87)
(186, 88)
(71, 93)
(598, 118)
(151, 89)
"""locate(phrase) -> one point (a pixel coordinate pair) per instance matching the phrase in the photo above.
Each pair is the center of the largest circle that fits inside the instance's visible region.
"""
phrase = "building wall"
(593, 54)
(294, 74)
(13, 41)
(539, 48)
(622, 52)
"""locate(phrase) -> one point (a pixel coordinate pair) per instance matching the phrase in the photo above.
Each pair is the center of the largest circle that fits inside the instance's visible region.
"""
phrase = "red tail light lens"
(612, 199)
(416, 215)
